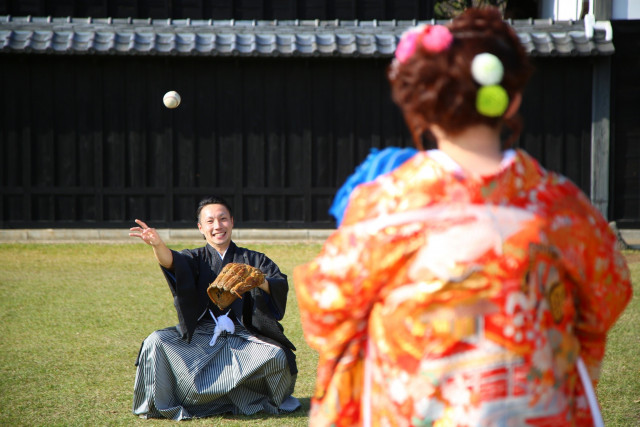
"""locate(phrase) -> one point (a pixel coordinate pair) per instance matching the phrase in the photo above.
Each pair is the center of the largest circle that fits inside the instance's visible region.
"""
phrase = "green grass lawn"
(73, 317)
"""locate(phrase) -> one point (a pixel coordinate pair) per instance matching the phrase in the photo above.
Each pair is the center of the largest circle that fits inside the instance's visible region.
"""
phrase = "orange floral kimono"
(447, 300)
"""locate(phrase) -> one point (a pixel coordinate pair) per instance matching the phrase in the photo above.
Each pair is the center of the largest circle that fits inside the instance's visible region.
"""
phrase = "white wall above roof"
(561, 10)
(626, 9)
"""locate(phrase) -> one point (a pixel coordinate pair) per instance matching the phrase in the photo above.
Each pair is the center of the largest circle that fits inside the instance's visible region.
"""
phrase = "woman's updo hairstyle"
(436, 86)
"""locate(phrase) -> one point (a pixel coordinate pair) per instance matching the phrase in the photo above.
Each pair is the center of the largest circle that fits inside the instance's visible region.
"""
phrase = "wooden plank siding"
(625, 119)
(225, 9)
(86, 141)
(556, 111)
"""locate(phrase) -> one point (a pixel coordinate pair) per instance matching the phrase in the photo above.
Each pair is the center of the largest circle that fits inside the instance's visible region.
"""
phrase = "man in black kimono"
(205, 365)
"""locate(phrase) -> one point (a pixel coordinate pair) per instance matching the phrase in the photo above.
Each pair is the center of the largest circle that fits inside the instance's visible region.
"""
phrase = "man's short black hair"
(212, 200)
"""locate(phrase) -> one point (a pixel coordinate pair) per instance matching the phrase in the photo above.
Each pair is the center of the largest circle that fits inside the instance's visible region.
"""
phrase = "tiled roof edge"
(127, 36)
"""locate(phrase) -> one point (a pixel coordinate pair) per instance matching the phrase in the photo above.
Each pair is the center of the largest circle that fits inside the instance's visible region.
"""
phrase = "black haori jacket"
(259, 312)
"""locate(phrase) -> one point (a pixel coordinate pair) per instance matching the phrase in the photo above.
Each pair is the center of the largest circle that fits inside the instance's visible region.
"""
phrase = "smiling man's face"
(215, 224)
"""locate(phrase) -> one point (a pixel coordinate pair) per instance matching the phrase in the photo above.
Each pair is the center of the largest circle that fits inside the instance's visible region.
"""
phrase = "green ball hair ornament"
(492, 101)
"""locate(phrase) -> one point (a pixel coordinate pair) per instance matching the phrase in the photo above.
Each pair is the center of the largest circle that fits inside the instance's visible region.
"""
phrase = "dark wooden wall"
(224, 9)
(625, 76)
(557, 117)
(85, 141)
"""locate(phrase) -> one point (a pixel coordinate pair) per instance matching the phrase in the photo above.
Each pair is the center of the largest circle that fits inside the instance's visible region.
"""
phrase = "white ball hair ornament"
(171, 99)
(487, 69)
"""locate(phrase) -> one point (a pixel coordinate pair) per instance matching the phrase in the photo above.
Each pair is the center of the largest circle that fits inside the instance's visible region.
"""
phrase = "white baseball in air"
(171, 99)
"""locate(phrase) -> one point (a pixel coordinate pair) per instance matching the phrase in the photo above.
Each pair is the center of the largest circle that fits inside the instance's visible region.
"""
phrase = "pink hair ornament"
(434, 38)
(407, 45)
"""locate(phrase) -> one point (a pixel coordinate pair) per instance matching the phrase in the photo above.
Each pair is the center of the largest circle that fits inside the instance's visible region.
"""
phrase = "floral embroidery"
(493, 337)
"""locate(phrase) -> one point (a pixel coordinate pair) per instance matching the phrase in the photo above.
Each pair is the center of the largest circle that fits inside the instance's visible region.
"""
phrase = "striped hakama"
(239, 374)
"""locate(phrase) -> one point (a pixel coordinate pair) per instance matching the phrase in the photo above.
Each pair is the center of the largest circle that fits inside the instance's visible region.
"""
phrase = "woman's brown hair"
(438, 88)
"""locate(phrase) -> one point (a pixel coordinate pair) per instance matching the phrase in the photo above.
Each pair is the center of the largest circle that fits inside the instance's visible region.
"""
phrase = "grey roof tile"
(305, 43)
(326, 43)
(225, 42)
(62, 41)
(366, 44)
(185, 42)
(285, 43)
(540, 37)
(246, 43)
(124, 42)
(104, 41)
(346, 43)
(205, 43)
(543, 43)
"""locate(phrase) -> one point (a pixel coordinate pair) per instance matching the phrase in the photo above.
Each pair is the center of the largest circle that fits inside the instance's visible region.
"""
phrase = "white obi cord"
(223, 324)
(591, 394)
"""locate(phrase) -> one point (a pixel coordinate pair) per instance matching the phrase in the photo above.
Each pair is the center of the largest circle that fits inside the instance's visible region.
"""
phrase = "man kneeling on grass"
(235, 360)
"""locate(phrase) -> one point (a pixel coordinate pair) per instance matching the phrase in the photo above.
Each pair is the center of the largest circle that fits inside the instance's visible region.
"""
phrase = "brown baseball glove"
(233, 281)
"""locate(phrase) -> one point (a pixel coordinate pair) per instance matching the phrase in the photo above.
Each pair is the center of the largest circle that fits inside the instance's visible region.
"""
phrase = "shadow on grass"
(301, 412)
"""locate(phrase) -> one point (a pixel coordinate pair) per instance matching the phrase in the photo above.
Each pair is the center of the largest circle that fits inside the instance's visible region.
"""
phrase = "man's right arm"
(163, 255)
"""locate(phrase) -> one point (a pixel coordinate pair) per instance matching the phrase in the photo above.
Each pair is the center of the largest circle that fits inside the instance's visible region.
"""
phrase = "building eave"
(107, 36)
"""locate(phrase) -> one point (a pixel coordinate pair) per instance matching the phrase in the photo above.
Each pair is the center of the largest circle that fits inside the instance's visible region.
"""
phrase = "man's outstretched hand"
(151, 237)
(148, 235)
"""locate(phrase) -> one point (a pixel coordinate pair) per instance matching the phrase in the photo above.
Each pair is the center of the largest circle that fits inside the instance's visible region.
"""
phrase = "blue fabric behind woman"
(377, 163)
